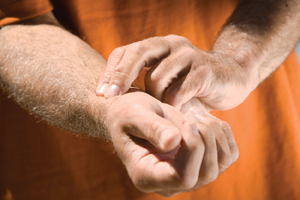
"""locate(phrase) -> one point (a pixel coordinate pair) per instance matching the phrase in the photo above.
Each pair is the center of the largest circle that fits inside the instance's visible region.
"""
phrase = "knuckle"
(189, 182)
(151, 40)
(140, 184)
(117, 51)
(186, 51)
(139, 180)
(225, 162)
(207, 133)
(235, 154)
(156, 127)
(185, 182)
(210, 176)
(222, 168)
(177, 38)
(214, 123)
(154, 130)
(224, 125)
(138, 48)
(121, 69)
(106, 76)
(172, 37)
(183, 39)
(221, 137)
(168, 194)
(121, 76)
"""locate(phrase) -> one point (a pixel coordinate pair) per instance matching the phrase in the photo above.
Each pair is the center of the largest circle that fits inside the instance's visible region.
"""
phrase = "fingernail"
(191, 117)
(192, 125)
(197, 111)
(112, 91)
(194, 128)
(199, 114)
(101, 89)
(169, 139)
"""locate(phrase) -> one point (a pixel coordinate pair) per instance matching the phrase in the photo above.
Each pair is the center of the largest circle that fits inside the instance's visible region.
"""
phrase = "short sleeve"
(17, 10)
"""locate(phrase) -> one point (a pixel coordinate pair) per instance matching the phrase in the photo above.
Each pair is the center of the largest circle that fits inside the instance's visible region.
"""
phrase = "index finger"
(124, 66)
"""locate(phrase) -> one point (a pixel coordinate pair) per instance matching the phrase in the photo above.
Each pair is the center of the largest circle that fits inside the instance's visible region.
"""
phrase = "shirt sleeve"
(16, 10)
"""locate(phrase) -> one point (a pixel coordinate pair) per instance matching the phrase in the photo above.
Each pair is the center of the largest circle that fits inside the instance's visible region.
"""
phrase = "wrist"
(97, 110)
(243, 51)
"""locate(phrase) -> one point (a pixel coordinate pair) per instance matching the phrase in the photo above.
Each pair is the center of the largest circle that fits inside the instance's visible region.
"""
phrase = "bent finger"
(160, 132)
(231, 141)
(224, 154)
(184, 170)
(113, 60)
(137, 56)
(170, 69)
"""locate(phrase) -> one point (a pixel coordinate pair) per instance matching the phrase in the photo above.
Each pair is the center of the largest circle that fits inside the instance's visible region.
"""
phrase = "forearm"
(259, 36)
(53, 74)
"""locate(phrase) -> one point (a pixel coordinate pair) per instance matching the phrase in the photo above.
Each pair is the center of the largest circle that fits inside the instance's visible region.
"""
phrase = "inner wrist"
(97, 109)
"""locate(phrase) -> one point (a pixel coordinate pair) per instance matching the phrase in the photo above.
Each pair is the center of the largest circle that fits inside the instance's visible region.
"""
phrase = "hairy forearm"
(53, 74)
(259, 36)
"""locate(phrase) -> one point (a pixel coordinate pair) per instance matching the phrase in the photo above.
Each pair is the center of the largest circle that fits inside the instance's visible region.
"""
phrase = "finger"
(225, 158)
(137, 56)
(231, 141)
(188, 160)
(187, 87)
(112, 62)
(209, 170)
(160, 77)
(173, 95)
(160, 132)
(183, 172)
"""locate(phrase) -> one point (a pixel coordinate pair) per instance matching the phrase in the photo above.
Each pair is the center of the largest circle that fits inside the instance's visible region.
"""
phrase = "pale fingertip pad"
(101, 89)
(170, 139)
(112, 91)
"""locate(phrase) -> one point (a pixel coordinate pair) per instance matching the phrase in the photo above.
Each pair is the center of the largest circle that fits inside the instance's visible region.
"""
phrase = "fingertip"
(112, 90)
(101, 89)
(197, 111)
(170, 139)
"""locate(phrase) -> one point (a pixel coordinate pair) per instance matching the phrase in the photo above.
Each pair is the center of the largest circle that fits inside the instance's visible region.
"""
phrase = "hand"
(165, 151)
(180, 74)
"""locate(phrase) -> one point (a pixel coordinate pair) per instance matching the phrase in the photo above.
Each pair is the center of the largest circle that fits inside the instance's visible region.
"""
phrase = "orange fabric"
(15, 10)
(37, 161)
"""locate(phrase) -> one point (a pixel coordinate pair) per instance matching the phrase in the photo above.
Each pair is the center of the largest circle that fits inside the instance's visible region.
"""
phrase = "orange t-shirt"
(38, 161)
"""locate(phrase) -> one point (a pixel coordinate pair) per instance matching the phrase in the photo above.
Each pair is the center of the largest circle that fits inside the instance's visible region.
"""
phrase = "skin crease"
(53, 74)
(256, 40)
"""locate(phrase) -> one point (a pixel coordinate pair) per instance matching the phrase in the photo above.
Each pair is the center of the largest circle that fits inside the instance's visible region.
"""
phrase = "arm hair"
(259, 36)
(53, 74)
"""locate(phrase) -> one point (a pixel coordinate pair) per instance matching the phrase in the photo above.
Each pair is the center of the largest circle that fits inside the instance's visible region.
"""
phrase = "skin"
(256, 40)
(53, 74)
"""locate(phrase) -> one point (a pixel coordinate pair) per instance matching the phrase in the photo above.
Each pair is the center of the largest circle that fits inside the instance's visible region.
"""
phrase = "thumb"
(157, 130)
